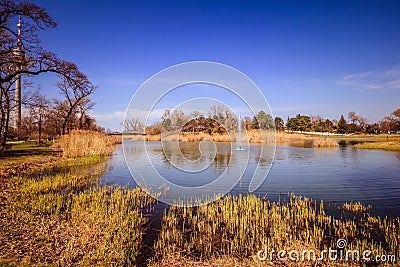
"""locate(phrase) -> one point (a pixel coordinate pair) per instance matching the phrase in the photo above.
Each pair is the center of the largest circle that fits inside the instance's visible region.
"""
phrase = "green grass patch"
(389, 146)
(30, 149)
(77, 161)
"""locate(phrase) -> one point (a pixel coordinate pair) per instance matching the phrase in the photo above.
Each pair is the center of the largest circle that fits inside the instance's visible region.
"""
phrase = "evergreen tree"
(255, 124)
(342, 125)
(279, 124)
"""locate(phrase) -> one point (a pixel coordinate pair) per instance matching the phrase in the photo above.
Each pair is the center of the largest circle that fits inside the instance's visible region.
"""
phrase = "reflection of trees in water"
(189, 151)
(182, 154)
(221, 161)
(135, 150)
(265, 160)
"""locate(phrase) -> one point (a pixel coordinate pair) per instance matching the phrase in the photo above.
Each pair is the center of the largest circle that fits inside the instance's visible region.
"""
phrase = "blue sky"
(308, 57)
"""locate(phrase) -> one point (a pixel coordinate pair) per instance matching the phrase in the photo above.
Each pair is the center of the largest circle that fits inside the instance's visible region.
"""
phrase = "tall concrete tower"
(19, 58)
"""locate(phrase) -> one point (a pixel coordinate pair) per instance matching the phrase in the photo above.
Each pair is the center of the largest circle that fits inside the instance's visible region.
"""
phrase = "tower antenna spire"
(19, 31)
(18, 55)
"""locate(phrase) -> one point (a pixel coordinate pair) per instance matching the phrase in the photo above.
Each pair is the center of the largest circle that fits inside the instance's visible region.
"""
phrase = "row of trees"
(45, 118)
(40, 115)
(355, 124)
(220, 120)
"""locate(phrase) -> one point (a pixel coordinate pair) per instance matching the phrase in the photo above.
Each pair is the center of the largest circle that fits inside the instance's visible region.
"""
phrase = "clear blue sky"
(308, 57)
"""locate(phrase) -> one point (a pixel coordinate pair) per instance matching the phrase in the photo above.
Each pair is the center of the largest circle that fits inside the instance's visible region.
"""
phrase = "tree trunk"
(40, 129)
(7, 119)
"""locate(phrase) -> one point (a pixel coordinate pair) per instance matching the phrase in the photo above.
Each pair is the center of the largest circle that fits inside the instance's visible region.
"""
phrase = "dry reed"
(86, 143)
(240, 226)
(356, 207)
(73, 221)
(325, 142)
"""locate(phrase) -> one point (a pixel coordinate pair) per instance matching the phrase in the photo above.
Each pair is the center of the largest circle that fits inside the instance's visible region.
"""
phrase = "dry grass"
(325, 142)
(283, 137)
(390, 146)
(86, 143)
(240, 226)
(356, 207)
(105, 227)
(252, 136)
(156, 137)
(222, 261)
(70, 220)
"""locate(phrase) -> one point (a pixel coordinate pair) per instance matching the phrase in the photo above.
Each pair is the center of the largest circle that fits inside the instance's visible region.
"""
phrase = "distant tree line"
(355, 124)
(221, 120)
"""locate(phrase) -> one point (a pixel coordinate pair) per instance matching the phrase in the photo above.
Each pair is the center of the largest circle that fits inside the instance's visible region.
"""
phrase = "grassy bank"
(67, 219)
(389, 146)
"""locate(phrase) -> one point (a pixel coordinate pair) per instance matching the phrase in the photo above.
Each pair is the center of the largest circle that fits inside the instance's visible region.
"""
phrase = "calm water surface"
(332, 175)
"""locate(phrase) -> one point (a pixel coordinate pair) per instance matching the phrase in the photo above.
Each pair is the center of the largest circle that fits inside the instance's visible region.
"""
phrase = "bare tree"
(132, 125)
(396, 119)
(196, 114)
(76, 92)
(224, 116)
(247, 123)
(178, 118)
(217, 112)
(84, 119)
(39, 109)
(352, 117)
(33, 61)
(166, 115)
(358, 120)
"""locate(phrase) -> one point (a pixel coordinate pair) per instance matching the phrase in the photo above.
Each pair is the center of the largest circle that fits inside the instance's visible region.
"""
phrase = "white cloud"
(109, 116)
(111, 120)
(373, 80)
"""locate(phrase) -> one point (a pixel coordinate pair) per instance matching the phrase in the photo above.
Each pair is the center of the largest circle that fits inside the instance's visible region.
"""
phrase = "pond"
(334, 175)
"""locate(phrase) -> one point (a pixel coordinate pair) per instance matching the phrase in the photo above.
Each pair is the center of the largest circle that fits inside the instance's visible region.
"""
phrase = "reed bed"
(356, 207)
(325, 142)
(105, 227)
(86, 143)
(72, 220)
(260, 136)
(251, 136)
(390, 146)
(239, 226)
(284, 137)
(156, 137)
